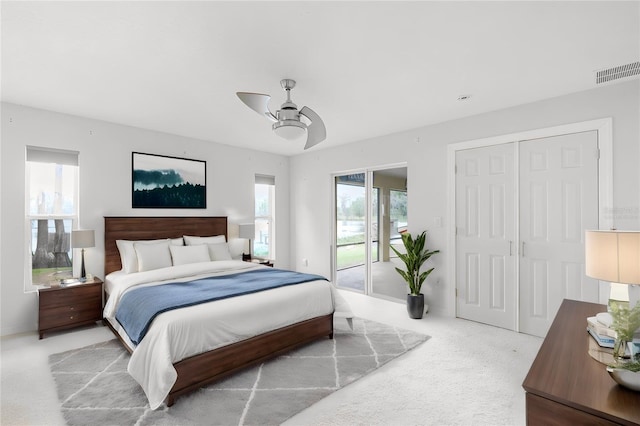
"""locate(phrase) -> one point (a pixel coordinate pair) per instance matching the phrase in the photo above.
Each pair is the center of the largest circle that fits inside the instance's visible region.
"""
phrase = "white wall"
(304, 216)
(105, 189)
(425, 152)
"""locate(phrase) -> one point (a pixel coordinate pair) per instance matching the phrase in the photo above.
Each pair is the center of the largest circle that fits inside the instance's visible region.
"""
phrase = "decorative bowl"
(626, 378)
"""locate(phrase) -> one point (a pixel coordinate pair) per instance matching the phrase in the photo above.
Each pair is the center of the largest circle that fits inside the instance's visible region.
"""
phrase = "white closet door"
(558, 201)
(485, 235)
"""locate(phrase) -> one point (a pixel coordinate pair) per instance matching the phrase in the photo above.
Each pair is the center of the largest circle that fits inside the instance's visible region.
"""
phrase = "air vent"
(616, 73)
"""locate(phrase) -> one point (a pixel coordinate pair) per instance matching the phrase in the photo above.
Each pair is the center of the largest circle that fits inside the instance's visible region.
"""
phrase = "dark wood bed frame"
(199, 370)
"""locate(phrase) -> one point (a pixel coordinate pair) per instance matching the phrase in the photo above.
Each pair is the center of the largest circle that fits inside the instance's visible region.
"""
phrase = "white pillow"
(236, 247)
(177, 241)
(219, 251)
(193, 241)
(128, 257)
(153, 256)
(189, 254)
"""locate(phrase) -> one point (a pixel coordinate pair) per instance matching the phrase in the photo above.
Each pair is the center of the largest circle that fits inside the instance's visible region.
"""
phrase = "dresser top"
(564, 372)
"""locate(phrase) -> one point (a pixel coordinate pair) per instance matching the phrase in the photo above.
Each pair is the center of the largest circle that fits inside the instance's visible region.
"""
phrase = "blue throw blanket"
(138, 307)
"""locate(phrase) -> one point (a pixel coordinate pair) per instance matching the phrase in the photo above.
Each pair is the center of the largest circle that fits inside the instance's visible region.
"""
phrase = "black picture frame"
(164, 182)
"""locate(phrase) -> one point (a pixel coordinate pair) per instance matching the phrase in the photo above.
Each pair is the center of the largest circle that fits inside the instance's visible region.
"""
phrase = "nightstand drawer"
(71, 295)
(72, 314)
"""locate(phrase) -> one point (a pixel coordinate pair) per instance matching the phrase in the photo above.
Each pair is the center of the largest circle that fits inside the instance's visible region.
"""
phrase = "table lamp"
(83, 238)
(248, 231)
(614, 256)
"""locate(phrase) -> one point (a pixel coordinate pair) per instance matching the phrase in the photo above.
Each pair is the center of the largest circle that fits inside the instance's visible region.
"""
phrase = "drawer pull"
(71, 317)
(72, 308)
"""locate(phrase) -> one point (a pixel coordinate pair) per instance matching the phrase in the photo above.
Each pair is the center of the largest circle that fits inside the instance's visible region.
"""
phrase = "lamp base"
(634, 300)
(634, 295)
(83, 272)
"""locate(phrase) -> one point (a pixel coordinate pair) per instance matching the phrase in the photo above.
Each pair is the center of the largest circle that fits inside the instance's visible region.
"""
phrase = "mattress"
(181, 333)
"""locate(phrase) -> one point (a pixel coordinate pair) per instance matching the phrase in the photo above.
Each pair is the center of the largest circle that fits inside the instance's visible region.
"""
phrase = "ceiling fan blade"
(316, 132)
(257, 102)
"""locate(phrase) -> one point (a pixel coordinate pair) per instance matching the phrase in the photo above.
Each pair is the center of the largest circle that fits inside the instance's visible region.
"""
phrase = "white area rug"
(94, 387)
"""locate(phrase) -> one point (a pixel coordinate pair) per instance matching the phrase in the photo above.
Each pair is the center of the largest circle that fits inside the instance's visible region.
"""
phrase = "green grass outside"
(353, 255)
(44, 275)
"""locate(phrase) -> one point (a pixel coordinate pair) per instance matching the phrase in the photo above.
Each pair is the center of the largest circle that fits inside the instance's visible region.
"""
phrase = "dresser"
(67, 307)
(566, 386)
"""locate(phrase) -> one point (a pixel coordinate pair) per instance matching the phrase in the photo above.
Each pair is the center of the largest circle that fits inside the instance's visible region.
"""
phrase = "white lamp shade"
(83, 238)
(292, 131)
(247, 230)
(613, 256)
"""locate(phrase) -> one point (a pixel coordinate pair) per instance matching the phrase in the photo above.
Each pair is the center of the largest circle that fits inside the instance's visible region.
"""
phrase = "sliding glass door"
(370, 213)
(392, 222)
(350, 214)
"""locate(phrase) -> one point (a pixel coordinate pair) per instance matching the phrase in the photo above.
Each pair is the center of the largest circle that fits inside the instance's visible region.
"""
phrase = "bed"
(279, 315)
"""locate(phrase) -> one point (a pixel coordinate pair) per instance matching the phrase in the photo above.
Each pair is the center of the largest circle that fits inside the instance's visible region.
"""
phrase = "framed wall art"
(162, 182)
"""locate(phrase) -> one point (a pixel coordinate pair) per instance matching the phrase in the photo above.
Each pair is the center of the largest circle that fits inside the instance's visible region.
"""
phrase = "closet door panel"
(485, 234)
(558, 202)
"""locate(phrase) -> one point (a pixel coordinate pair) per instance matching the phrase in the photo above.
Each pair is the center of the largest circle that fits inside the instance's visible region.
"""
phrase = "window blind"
(265, 180)
(52, 155)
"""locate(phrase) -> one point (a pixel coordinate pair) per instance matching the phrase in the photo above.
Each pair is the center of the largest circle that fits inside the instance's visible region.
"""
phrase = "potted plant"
(415, 256)
(626, 367)
(625, 322)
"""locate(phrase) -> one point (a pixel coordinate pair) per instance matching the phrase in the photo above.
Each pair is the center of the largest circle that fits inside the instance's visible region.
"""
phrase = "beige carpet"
(94, 387)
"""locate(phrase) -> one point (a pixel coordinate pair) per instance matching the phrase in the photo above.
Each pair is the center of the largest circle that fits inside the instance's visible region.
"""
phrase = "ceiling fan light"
(289, 129)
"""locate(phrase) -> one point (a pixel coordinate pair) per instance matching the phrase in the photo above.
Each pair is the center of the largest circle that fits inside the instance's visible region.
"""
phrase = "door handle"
(510, 248)
(522, 252)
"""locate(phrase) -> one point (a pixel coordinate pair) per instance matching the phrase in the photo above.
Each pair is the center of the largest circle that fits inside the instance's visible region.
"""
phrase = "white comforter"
(181, 333)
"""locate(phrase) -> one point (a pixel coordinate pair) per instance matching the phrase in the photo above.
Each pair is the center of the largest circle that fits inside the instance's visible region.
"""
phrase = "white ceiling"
(367, 68)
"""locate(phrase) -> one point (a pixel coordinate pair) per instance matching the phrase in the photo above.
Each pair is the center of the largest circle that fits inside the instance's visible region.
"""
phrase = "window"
(51, 214)
(264, 243)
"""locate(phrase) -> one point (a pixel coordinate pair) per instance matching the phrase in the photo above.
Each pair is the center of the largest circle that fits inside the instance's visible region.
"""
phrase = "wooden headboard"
(152, 228)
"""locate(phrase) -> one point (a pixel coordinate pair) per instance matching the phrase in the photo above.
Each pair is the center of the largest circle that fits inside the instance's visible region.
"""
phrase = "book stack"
(601, 331)
(599, 327)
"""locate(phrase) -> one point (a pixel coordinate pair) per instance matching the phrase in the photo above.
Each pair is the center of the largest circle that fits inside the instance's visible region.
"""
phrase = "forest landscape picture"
(168, 182)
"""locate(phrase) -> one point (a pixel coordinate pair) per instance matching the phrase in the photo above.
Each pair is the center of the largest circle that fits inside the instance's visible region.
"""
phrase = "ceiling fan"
(287, 122)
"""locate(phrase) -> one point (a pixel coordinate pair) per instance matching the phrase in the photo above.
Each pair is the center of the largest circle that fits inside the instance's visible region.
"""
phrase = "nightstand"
(70, 306)
(265, 262)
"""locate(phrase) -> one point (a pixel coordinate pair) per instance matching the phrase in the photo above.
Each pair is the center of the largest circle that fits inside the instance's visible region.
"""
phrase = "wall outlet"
(305, 262)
